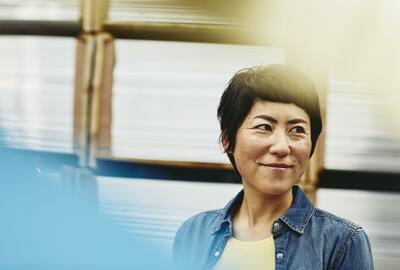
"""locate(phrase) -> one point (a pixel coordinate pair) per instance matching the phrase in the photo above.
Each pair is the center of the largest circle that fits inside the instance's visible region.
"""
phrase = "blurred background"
(108, 128)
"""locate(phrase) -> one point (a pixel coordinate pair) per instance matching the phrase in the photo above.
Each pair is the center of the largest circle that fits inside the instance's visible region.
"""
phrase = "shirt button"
(276, 226)
(279, 255)
(216, 254)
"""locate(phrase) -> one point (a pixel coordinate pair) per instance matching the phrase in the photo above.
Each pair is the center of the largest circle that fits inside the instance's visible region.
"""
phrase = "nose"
(280, 144)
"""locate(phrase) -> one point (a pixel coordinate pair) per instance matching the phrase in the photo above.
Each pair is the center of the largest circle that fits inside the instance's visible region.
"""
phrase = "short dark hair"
(275, 83)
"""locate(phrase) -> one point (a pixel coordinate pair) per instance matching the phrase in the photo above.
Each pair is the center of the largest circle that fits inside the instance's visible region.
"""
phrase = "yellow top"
(241, 255)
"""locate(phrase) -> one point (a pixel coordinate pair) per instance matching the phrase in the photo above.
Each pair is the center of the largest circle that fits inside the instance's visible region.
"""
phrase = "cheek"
(247, 149)
(249, 146)
(303, 150)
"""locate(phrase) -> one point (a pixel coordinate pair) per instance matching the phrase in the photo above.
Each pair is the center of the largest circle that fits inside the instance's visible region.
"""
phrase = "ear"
(225, 143)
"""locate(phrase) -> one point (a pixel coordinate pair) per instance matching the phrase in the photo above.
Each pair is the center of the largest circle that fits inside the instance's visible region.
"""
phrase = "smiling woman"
(272, 149)
(270, 122)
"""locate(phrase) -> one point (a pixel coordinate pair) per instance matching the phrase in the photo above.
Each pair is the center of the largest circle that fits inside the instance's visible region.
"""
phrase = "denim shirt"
(305, 237)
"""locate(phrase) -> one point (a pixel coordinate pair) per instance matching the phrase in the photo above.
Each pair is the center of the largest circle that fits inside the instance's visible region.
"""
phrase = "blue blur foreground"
(50, 220)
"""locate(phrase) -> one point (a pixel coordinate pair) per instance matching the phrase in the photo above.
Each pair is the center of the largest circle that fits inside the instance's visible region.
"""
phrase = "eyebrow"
(273, 120)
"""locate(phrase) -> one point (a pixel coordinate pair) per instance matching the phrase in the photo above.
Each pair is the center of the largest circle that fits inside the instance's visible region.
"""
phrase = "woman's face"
(272, 147)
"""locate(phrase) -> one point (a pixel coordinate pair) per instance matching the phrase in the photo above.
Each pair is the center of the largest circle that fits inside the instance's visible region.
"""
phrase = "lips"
(278, 165)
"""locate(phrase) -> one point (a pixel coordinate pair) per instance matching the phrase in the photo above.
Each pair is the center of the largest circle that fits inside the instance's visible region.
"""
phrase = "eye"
(266, 127)
(298, 129)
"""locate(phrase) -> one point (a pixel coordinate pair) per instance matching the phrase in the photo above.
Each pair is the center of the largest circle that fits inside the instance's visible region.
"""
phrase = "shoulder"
(346, 238)
(194, 233)
(328, 219)
(338, 228)
(201, 221)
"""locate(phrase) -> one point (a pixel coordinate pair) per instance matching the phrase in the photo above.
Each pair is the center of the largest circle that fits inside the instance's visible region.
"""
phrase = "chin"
(277, 188)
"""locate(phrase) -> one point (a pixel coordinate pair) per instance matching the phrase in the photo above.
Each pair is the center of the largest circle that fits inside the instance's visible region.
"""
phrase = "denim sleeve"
(355, 253)
(177, 246)
(180, 254)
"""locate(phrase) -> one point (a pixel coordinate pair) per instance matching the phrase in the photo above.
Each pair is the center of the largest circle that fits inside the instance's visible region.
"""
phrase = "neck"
(260, 210)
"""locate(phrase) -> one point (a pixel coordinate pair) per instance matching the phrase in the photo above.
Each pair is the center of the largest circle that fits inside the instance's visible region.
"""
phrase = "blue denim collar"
(296, 217)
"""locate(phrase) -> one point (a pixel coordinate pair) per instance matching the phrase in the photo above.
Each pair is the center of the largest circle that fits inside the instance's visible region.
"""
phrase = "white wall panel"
(141, 205)
(357, 135)
(166, 94)
(36, 96)
(176, 11)
(38, 10)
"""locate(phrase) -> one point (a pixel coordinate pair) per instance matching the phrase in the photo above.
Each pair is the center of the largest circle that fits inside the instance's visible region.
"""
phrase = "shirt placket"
(280, 241)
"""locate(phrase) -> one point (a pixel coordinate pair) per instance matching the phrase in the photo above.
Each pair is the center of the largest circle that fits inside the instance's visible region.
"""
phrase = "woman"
(270, 122)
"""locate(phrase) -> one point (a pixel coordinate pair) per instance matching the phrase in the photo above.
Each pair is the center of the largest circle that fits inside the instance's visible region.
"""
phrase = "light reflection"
(50, 219)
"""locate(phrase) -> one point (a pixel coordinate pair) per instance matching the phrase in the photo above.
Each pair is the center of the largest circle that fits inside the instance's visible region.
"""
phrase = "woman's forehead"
(277, 110)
